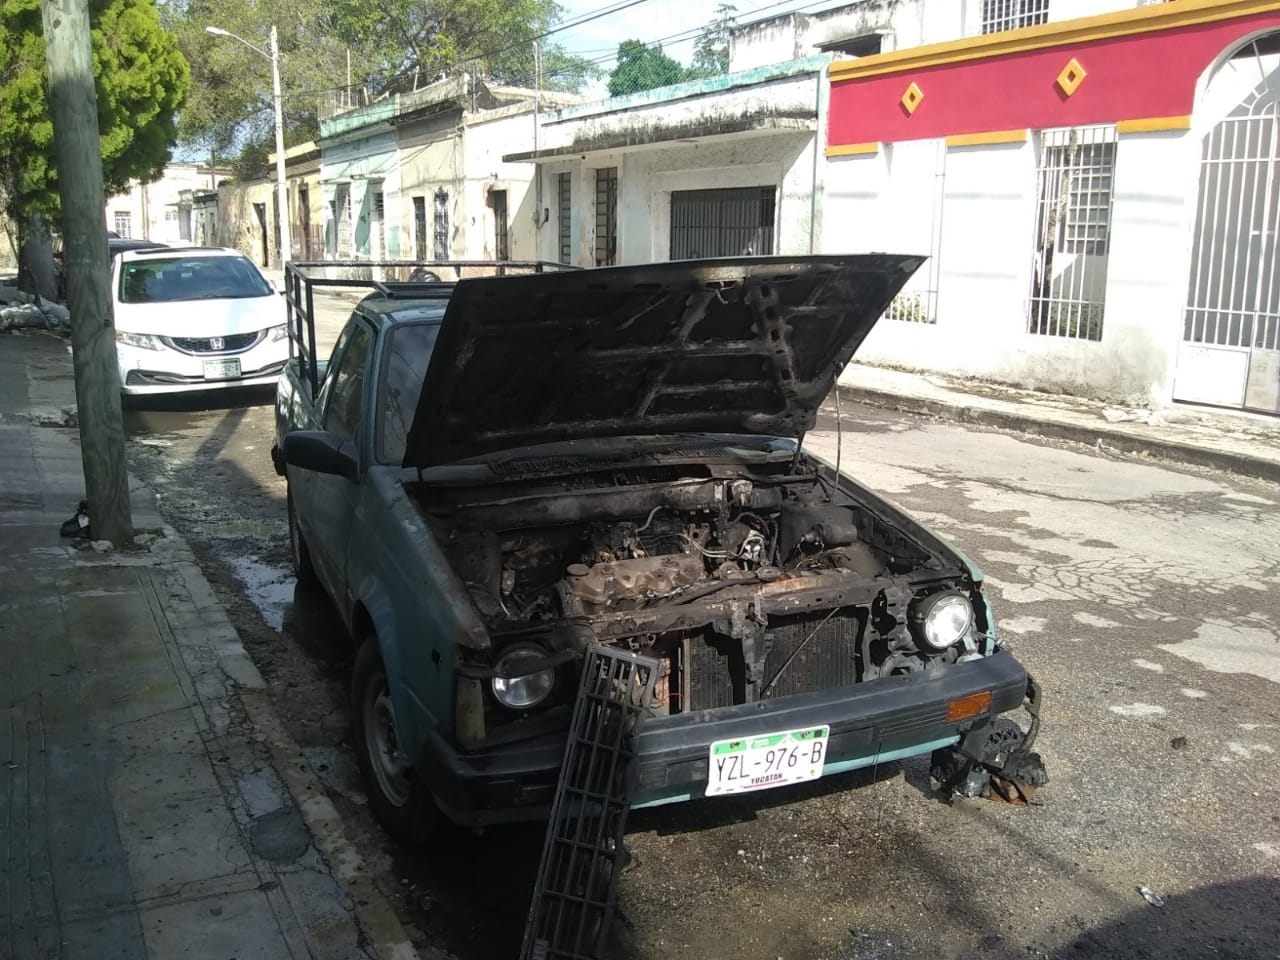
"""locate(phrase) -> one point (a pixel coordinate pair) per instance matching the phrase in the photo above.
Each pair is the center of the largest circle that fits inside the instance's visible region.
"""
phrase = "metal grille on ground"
(574, 894)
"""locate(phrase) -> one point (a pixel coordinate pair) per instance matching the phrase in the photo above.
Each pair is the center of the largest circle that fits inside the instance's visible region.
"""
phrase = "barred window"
(606, 216)
(998, 15)
(564, 208)
(1073, 226)
(441, 229)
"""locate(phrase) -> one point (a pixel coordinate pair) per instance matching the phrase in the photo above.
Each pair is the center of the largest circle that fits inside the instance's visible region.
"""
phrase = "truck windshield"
(408, 351)
(162, 280)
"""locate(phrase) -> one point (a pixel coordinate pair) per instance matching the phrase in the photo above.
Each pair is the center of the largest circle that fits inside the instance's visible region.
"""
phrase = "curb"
(1098, 437)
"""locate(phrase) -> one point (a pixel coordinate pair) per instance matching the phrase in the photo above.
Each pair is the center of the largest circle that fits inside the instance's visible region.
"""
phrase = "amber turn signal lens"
(968, 707)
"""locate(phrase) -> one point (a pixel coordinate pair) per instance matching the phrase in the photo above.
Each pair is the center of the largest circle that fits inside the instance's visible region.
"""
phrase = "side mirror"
(321, 451)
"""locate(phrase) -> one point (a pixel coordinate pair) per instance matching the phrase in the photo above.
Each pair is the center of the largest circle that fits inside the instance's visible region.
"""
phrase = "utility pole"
(73, 106)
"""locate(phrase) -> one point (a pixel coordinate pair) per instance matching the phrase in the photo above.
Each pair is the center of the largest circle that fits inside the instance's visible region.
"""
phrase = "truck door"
(333, 499)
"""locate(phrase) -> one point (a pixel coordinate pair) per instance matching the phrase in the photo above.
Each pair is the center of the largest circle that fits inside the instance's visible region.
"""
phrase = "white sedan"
(195, 318)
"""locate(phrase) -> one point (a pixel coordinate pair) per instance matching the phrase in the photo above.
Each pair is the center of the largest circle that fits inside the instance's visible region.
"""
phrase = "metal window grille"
(1234, 289)
(606, 216)
(1073, 226)
(722, 223)
(501, 237)
(918, 301)
(441, 237)
(124, 223)
(420, 227)
(1000, 15)
(564, 207)
(345, 235)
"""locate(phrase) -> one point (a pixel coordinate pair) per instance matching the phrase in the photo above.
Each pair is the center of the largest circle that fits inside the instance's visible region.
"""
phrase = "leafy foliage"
(711, 52)
(643, 67)
(141, 81)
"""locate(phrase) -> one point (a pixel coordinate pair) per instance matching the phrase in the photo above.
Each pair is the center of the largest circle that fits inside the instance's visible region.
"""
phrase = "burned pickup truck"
(490, 476)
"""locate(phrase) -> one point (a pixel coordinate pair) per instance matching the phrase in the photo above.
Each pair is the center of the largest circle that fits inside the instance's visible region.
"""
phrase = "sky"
(653, 20)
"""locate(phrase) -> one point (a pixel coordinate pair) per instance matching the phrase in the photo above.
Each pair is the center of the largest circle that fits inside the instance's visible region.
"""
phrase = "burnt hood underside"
(744, 345)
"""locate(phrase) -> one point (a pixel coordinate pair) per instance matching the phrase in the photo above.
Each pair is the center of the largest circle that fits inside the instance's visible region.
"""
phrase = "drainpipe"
(813, 189)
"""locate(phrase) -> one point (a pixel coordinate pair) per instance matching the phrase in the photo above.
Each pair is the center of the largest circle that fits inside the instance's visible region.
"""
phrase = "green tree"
(230, 112)
(643, 67)
(711, 52)
(431, 38)
(393, 45)
(142, 80)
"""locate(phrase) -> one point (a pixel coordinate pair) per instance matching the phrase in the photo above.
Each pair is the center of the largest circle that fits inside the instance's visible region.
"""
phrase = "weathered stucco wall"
(985, 268)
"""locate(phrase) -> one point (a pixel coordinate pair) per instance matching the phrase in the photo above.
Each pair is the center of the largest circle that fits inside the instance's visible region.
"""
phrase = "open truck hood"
(744, 345)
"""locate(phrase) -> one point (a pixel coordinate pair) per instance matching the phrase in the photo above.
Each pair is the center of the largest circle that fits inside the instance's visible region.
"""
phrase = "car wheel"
(401, 803)
(298, 551)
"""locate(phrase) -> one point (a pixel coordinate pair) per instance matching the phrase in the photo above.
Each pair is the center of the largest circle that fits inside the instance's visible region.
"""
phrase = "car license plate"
(771, 760)
(221, 369)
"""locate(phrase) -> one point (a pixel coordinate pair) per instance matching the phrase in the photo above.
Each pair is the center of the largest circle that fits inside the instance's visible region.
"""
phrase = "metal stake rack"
(574, 894)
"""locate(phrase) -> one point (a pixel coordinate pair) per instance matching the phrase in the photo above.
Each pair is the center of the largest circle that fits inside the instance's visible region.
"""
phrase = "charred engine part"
(810, 528)
(586, 589)
(741, 589)
(994, 759)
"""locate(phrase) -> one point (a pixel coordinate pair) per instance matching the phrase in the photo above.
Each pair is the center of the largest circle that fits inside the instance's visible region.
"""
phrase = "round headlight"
(524, 692)
(943, 619)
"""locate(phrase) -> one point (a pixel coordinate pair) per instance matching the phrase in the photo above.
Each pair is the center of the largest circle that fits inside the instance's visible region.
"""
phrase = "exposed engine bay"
(745, 587)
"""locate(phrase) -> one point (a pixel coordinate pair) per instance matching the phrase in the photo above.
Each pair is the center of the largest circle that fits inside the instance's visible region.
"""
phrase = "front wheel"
(401, 803)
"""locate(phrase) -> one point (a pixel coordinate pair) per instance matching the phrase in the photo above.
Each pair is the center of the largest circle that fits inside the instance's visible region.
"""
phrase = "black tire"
(399, 801)
(299, 554)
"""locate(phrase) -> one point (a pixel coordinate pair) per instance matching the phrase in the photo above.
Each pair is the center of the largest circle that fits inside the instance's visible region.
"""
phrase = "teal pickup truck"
(489, 476)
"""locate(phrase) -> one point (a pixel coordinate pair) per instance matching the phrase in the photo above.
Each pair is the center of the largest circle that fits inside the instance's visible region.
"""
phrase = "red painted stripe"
(1146, 75)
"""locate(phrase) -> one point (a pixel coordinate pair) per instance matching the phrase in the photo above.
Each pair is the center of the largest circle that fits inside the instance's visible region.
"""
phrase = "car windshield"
(408, 351)
(161, 280)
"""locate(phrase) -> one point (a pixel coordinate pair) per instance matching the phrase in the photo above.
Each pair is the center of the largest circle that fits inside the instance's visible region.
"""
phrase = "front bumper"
(877, 722)
(166, 370)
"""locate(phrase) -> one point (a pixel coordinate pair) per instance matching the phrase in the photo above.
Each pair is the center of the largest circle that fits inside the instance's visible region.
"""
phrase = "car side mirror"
(321, 451)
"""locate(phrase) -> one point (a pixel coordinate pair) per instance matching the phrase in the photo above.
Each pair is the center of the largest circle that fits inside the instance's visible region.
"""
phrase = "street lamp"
(282, 187)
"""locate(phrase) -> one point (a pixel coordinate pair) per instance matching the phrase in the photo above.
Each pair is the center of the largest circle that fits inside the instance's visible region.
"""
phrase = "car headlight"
(278, 333)
(942, 619)
(144, 340)
(522, 693)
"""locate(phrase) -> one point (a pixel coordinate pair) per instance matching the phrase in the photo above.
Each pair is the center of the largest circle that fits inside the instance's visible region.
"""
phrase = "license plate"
(221, 369)
(770, 760)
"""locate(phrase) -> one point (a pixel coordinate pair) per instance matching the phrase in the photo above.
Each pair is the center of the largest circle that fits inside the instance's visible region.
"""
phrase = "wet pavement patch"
(280, 836)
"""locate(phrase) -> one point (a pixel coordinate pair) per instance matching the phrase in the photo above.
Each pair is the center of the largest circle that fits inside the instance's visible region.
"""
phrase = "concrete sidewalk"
(147, 805)
(1238, 442)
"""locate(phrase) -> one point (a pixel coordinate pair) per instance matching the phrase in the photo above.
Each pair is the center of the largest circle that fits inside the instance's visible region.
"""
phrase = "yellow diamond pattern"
(1071, 77)
(911, 99)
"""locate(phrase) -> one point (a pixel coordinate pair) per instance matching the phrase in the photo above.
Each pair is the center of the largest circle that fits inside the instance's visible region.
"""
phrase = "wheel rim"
(383, 745)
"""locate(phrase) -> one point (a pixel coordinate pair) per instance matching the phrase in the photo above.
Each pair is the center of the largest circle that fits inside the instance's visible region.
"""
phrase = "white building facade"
(160, 211)
(1098, 197)
(718, 167)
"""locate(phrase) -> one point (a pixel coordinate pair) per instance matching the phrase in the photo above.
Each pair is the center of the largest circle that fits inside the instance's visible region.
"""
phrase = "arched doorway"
(1230, 350)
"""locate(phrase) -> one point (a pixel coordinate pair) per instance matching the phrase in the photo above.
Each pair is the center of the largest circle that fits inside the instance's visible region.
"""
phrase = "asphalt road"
(1146, 599)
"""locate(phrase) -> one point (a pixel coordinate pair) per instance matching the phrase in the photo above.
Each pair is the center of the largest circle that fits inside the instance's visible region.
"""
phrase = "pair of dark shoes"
(78, 525)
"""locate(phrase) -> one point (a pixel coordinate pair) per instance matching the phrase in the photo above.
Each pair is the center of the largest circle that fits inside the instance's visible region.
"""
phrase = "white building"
(159, 211)
(421, 175)
(1095, 182)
